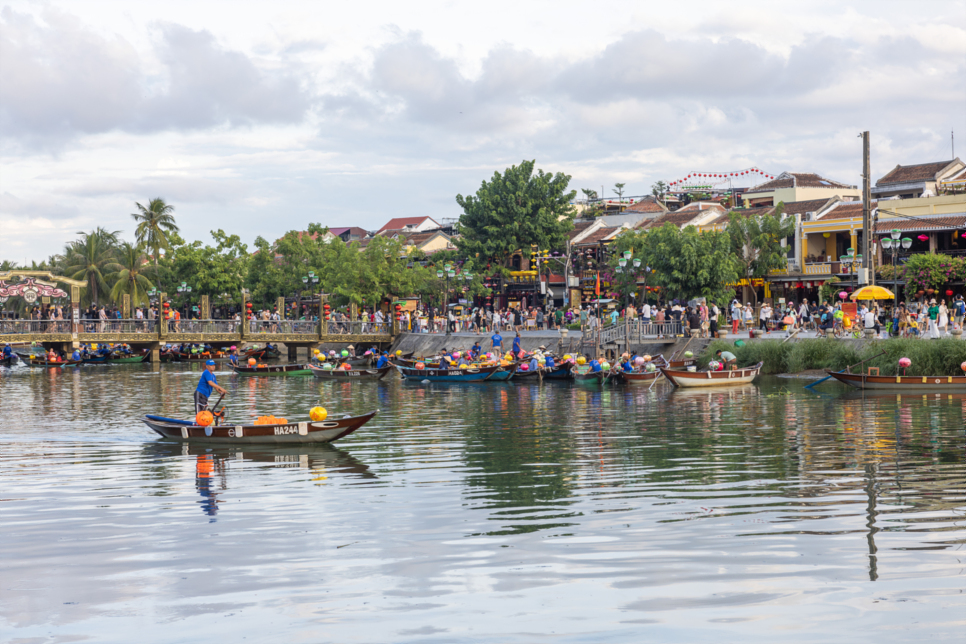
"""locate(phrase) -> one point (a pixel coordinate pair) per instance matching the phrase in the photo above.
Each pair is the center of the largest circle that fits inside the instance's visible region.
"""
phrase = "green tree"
(154, 223)
(217, 271)
(687, 263)
(756, 242)
(619, 190)
(129, 273)
(514, 210)
(8, 265)
(89, 258)
(659, 189)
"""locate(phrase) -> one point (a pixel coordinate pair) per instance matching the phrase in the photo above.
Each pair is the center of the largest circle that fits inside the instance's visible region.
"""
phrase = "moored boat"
(560, 372)
(299, 432)
(584, 375)
(684, 378)
(527, 375)
(351, 374)
(10, 361)
(273, 370)
(912, 384)
(504, 372)
(471, 374)
(37, 362)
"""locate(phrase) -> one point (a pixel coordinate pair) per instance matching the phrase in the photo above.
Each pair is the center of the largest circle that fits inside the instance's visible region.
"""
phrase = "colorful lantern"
(318, 414)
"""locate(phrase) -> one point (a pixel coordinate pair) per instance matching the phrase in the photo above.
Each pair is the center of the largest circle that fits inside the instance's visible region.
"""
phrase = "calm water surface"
(489, 513)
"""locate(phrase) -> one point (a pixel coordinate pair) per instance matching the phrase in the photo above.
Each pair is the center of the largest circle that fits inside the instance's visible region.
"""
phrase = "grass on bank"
(941, 357)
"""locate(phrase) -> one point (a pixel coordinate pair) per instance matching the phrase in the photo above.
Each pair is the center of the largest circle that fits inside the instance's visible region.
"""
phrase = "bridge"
(152, 334)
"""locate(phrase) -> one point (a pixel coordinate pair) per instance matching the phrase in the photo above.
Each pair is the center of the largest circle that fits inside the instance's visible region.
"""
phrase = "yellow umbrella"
(872, 293)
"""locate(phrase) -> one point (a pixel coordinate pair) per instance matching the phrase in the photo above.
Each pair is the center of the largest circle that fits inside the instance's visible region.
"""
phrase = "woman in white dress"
(943, 320)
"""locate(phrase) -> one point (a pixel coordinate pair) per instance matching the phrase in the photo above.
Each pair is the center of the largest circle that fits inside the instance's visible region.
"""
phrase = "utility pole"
(866, 212)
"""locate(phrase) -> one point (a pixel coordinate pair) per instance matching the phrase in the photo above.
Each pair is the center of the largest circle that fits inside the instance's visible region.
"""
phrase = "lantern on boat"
(639, 361)
(204, 418)
(464, 366)
(650, 367)
(567, 358)
(251, 362)
(905, 363)
(327, 366)
(688, 354)
(420, 365)
(963, 366)
(332, 353)
(646, 357)
(345, 353)
(346, 366)
(525, 367)
(318, 414)
(605, 366)
(398, 353)
(714, 365)
(456, 354)
(581, 360)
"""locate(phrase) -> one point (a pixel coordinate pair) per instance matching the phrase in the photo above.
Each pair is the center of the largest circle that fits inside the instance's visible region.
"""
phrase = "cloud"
(60, 80)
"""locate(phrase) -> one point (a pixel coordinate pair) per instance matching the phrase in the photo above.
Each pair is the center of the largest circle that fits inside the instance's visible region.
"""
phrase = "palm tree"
(89, 258)
(130, 274)
(7, 265)
(154, 224)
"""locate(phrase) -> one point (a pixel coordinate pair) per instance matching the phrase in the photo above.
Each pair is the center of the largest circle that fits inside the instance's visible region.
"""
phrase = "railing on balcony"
(303, 327)
(358, 328)
(20, 327)
(818, 268)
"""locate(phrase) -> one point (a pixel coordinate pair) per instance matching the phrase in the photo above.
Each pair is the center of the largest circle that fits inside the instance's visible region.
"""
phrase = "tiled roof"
(678, 218)
(801, 207)
(647, 204)
(698, 206)
(597, 236)
(402, 222)
(797, 180)
(352, 230)
(844, 210)
(744, 212)
(421, 238)
(932, 223)
(912, 173)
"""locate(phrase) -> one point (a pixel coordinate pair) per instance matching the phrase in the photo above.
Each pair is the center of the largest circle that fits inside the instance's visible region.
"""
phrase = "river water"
(496, 512)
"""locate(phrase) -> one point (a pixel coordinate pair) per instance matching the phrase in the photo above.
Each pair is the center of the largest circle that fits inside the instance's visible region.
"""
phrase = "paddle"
(214, 408)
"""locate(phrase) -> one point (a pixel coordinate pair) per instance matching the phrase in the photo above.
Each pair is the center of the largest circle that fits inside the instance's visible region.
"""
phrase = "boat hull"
(274, 370)
(478, 374)
(736, 377)
(898, 384)
(559, 373)
(353, 374)
(283, 434)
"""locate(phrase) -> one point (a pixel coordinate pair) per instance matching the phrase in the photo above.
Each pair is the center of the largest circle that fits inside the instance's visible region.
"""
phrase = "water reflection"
(624, 508)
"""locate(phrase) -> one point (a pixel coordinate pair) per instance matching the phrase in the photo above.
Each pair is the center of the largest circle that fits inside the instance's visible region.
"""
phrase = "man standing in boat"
(205, 385)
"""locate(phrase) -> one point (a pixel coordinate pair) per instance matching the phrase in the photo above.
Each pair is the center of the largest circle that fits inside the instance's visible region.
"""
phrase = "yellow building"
(797, 186)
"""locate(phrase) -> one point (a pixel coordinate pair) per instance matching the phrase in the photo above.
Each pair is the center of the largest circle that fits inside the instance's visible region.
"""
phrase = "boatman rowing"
(205, 385)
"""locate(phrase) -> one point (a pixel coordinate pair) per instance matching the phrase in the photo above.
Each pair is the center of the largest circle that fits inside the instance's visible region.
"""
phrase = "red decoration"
(949, 293)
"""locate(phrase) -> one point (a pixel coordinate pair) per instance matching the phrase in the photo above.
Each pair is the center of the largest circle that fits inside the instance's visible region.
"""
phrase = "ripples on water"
(485, 513)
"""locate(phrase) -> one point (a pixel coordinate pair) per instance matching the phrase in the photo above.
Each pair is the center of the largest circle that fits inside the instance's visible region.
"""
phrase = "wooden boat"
(560, 372)
(505, 372)
(527, 375)
(638, 376)
(258, 354)
(272, 353)
(474, 374)
(683, 363)
(199, 356)
(273, 370)
(298, 432)
(126, 359)
(35, 361)
(899, 384)
(352, 374)
(684, 378)
(584, 375)
(9, 362)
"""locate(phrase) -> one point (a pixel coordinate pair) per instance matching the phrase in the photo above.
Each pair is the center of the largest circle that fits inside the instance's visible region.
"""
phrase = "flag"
(597, 287)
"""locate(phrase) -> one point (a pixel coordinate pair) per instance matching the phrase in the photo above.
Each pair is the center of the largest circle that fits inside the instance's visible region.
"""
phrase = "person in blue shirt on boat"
(534, 364)
(548, 363)
(497, 342)
(382, 361)
(595, 366)
(516, 343)
(627, 366)
(233, 357)
(76, 355)
(104, 351)
(476, 349)
(205, 385)
(7, 351)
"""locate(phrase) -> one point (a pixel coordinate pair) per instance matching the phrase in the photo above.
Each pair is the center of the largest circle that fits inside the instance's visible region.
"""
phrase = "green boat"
(274, 370)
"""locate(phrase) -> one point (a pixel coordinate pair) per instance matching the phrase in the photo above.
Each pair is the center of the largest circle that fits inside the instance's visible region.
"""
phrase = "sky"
(262, 117)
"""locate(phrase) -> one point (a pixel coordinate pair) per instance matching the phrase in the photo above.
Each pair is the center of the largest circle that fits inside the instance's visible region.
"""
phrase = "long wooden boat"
(505, 372)
(352, 374)
(114, 359)
(200, 356)
(684, 378)
(258, 354)
(273, 370)
(898, 384)
(37, 362)
(474, 374)
(298, 432)
(584, 375)
(527, 375)
(9, 362)
(632, 377)
(682, 364)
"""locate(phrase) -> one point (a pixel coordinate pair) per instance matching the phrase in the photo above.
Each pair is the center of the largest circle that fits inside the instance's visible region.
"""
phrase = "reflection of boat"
(301, 432)
(274, 370)
(900, 384)
(36, 361)
(316, 455)
(473, 374)
(352, 374)
(716, 394)
(680, 378)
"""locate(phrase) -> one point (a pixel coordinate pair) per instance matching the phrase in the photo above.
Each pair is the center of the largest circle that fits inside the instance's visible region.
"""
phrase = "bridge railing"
(358, 328)
(637, 330)
(305, 327)
(119, 326)
(203, 326)
(21, 327)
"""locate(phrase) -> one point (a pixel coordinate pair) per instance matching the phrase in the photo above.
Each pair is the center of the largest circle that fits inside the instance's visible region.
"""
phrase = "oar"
(847, 369)
(214, 407)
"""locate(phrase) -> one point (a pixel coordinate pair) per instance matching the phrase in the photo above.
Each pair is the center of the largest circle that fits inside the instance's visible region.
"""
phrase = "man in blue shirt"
(627, 366)
(476, 350)
(205, 385)
(497, 342)
(7, 351)
(76, 355)
(549, 365)
(595, 365)
(382, 361)
(233, 357)
(516, 344)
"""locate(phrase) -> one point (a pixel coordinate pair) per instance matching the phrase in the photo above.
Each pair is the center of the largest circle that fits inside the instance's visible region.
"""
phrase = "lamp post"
(184, 290)
(311, 278)
(851, 260)
(892, 244)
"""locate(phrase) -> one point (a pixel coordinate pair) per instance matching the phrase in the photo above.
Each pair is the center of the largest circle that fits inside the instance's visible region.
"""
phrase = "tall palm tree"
(130, 271)
(154, 224)
(89, 259)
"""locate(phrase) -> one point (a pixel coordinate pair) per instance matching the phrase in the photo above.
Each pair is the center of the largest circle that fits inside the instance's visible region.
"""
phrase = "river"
(496, 512)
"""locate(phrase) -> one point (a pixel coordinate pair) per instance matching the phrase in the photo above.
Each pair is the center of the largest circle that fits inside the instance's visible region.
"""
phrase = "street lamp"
(851, 260)
(311, 278)
(892, 244)
(184, 290)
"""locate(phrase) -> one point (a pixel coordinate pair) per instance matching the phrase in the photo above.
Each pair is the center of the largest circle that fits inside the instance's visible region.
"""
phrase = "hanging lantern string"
(718, 177)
